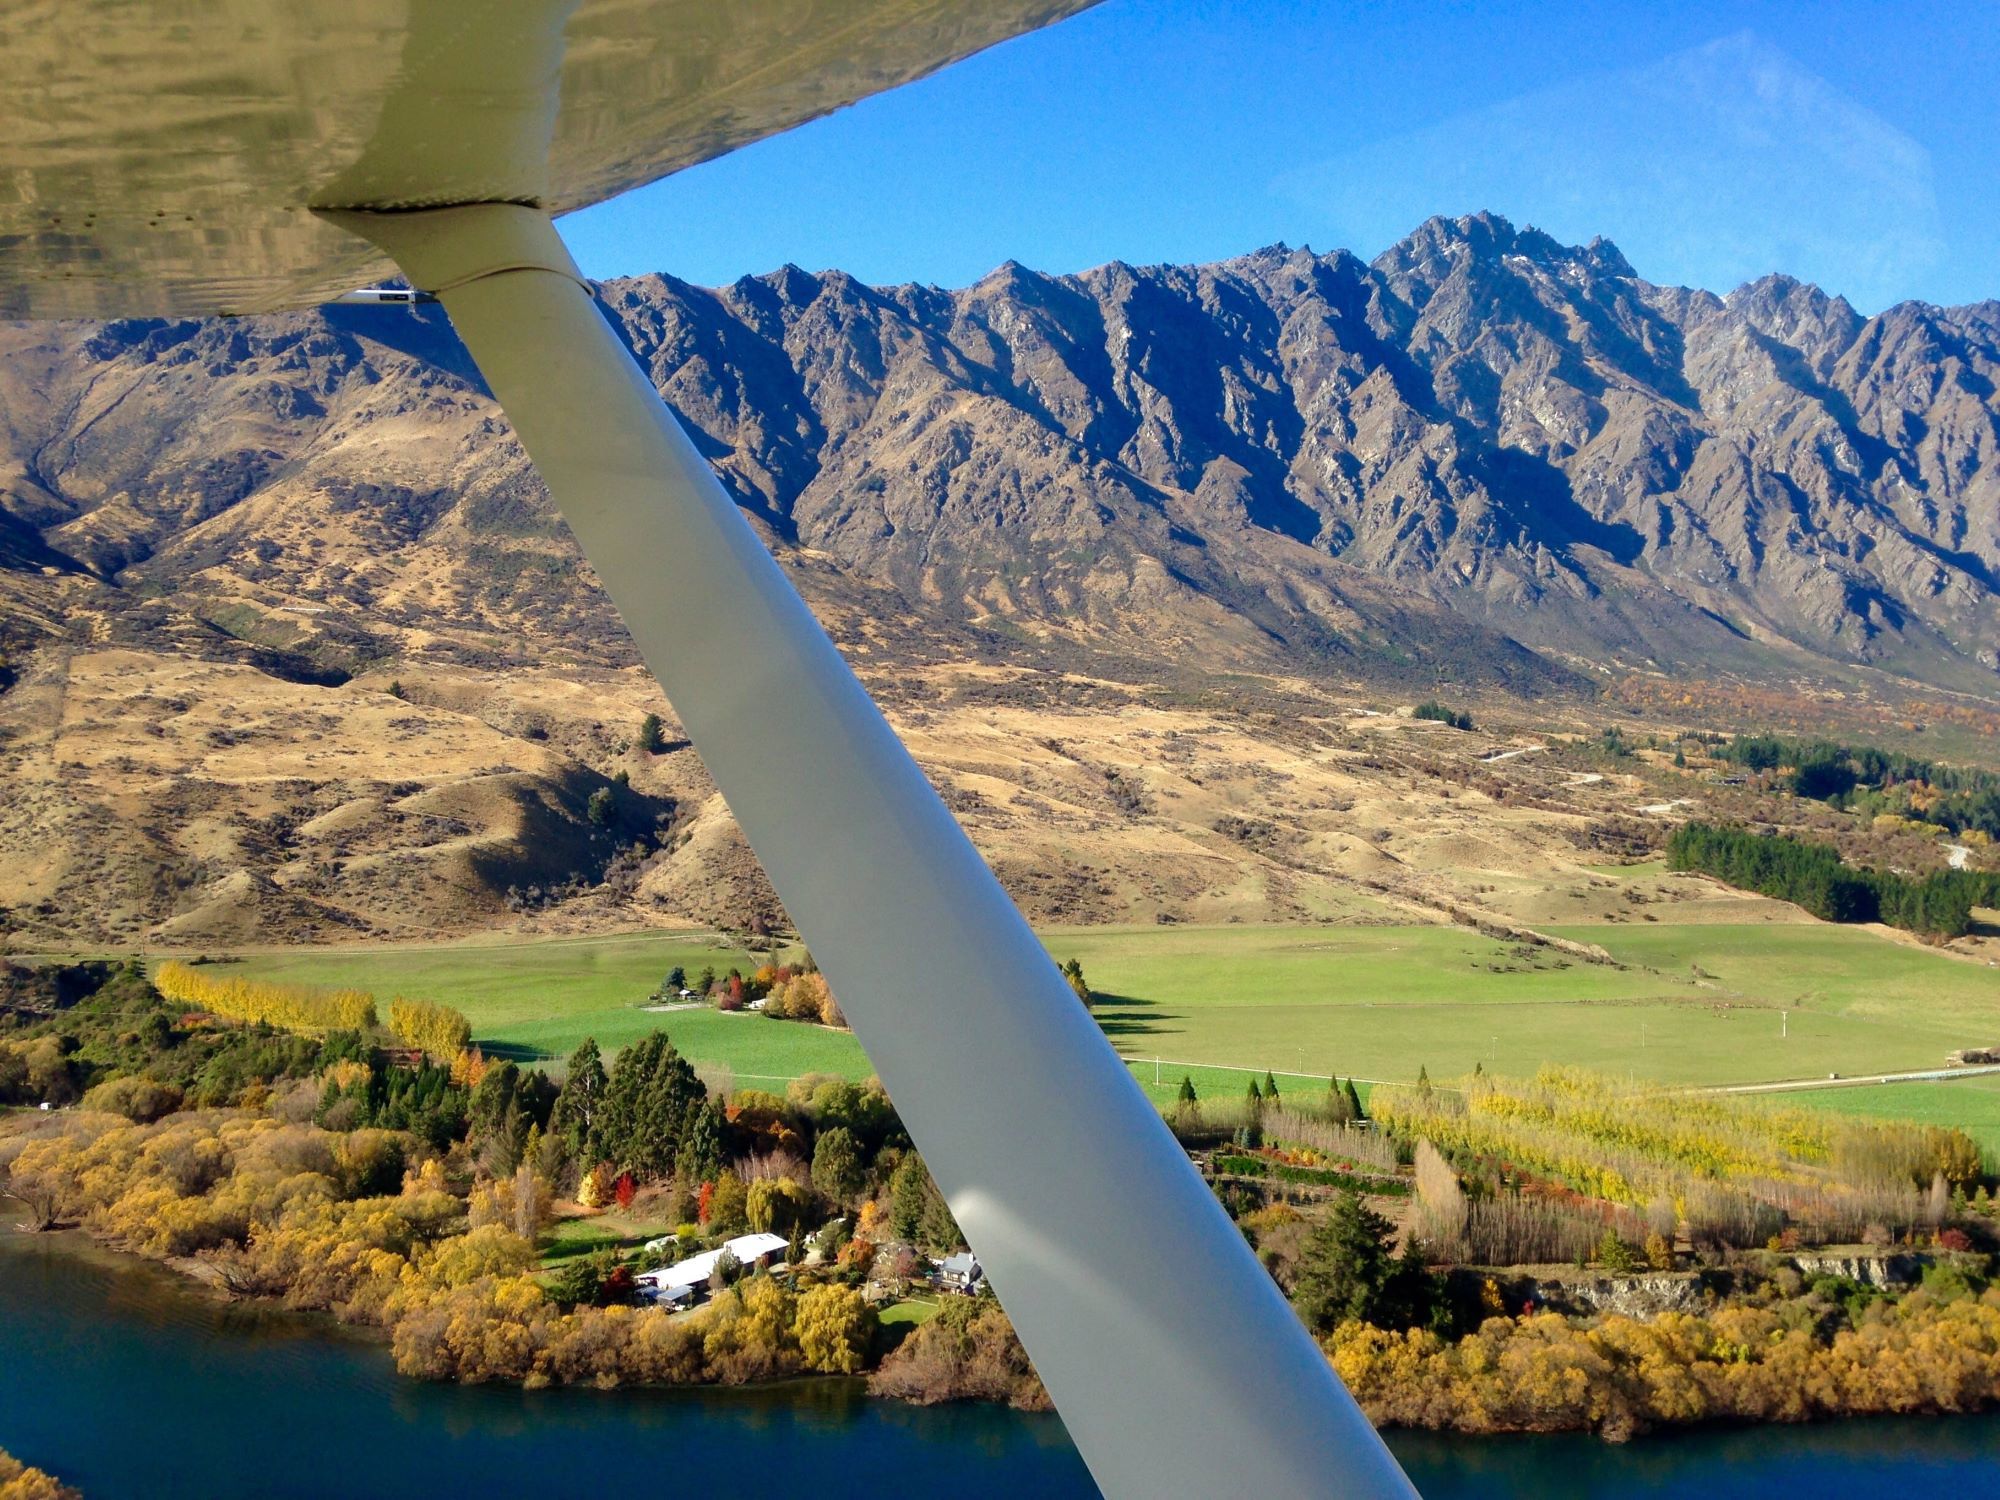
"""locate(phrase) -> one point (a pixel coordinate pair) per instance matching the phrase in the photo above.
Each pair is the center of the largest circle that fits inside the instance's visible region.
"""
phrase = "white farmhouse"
(686, 1280)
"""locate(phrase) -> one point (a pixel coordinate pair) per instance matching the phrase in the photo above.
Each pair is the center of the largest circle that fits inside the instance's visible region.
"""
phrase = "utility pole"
(1784, 1024)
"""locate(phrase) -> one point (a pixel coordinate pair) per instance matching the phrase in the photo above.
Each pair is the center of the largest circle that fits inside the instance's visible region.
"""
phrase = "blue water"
(119, 1378)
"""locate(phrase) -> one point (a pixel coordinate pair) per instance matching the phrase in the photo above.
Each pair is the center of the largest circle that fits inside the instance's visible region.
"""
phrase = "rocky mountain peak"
(1485, 448)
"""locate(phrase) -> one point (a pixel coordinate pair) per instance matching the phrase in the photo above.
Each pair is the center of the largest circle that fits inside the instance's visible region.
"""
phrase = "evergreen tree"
(1253, 1098)
(505, 1105)
(1336, 1103)
(1186, 1094)
(600, 806)
(908, 1191)
(700, 1156)
(1346, 1266)
(574, 1121)
(938, 1229)
(1270, 1088)
(1072, 971)
(1354, 1109)
(836, 1165)
(651, 1100)
(652, 738)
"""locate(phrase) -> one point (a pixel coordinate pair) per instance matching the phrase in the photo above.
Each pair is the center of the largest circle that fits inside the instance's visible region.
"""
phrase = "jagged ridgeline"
(1484, 451)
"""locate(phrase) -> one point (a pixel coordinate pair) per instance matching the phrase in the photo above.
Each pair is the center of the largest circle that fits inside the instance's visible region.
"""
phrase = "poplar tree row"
(435, 1029)
(295, 1007)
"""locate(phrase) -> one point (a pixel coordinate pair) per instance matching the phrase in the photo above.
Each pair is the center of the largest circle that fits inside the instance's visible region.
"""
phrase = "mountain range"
(1484, 451)
(1484, 462)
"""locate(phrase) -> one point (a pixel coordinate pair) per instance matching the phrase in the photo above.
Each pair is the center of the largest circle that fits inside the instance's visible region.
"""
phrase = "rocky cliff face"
(1486, 455)
(1595, 467)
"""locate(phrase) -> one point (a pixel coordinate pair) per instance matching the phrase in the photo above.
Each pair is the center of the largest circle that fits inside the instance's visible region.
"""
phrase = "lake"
(125, 1381)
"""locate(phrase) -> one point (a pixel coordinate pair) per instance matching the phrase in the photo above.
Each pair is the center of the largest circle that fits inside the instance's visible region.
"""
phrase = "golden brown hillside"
(164, 799)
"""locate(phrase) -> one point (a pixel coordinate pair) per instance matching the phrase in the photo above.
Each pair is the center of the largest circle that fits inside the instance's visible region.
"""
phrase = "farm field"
(1703, 1003)
(529, 1000)
(1694, 1003)
(1972, 1104)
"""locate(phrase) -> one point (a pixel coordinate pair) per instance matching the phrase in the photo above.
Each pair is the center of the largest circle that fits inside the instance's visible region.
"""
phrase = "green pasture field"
(1697, 1003)
(1692, 1004)
(537, 999)
(1972, 1104)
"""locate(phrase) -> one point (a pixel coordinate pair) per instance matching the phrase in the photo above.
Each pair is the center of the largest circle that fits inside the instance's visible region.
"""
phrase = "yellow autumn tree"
(295, 1007)
(437, 1030)
(19, 1482)
(833, 1327)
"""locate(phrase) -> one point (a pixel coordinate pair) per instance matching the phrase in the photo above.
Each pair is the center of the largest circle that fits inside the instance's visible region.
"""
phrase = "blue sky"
(1856, 145)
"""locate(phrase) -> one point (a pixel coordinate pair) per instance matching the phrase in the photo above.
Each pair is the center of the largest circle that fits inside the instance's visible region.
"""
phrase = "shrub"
(1437, 713)
(138, 1099)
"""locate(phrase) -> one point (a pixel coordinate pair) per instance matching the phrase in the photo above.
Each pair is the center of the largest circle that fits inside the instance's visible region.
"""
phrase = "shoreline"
(189, 1276)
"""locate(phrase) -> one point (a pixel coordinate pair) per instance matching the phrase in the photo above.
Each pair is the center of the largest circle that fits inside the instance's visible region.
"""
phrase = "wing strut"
(1178, 1367)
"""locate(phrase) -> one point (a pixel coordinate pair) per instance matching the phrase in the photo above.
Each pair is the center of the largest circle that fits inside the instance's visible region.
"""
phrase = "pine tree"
(1346, 1266)
(1336, 1104)
(1270, 1088)
(1186, 1094)
(651, 1101)
(907, 1192)
(1253, 1097)
(702, 1144)
(1354, 1109)
(575, 1119)
(1072, 972)
(651, 738)
(938, 1229)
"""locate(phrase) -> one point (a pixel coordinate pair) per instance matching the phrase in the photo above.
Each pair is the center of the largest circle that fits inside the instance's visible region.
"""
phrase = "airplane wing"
(176, 157)
(166, 159)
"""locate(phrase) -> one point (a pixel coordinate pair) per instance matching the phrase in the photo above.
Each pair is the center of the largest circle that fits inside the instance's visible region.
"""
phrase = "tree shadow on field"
(1128, 1015)
(519, 1053)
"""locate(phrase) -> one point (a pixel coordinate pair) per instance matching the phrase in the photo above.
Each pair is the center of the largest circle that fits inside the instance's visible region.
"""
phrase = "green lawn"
(568, 1238)
(1694, 1003)
(915, 1311)
(1972, 1104)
